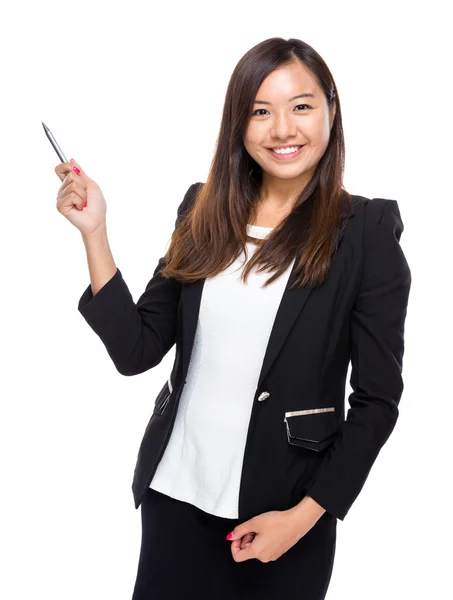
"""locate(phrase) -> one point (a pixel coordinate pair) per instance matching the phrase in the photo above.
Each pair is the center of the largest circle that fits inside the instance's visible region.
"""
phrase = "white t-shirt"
(202, 462)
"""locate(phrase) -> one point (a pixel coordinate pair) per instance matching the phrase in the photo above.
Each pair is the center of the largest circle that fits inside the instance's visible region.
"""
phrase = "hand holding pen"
(79, 199)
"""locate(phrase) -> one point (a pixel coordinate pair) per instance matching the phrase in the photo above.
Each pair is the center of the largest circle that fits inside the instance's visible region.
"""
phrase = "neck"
(282, 193)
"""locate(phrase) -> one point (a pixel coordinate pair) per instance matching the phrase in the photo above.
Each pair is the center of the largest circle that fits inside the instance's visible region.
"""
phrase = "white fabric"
(202, 462)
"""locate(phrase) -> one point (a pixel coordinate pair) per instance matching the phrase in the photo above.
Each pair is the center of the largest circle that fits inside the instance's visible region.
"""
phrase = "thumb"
(239, 531)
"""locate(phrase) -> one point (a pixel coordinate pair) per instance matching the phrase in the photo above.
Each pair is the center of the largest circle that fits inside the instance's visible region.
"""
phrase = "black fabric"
(184, 553)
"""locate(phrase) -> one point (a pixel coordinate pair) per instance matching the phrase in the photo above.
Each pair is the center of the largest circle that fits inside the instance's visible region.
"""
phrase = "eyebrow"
(306, 95)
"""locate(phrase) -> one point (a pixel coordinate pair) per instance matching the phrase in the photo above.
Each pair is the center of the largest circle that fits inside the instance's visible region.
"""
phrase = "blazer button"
(263, 396)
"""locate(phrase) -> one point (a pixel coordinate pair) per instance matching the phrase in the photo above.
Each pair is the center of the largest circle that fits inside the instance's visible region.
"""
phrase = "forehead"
(287, 81)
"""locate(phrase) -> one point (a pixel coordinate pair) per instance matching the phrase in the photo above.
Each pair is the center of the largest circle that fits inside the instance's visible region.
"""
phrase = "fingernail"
(86, 202)
(76, 169)
(229, 536)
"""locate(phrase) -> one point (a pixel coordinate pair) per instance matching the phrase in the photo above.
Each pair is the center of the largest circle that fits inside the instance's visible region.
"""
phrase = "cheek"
(252, 146)
(322, 131)
(251, 137)
(313, 129)
(249, 148)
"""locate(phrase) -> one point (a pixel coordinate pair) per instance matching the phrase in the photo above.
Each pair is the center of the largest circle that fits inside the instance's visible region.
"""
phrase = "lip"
(285, 156)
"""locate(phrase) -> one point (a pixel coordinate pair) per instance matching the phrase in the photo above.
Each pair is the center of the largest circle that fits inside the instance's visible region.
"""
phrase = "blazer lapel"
(290, 306)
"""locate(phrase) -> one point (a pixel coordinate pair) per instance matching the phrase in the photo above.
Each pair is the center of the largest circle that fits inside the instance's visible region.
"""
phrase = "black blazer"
(299, 441)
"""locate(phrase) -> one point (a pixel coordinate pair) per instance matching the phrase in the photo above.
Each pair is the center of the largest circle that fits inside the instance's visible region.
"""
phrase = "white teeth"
(286, 150)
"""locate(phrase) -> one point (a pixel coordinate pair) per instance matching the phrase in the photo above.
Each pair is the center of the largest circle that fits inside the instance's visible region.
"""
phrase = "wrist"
(307, 508)
(96, 236)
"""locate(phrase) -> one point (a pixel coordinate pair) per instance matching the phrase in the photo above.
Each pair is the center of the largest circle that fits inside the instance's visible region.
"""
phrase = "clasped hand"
(269, 535)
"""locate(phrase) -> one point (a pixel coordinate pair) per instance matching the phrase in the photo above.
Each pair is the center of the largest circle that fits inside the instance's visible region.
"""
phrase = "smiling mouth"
(286, 155)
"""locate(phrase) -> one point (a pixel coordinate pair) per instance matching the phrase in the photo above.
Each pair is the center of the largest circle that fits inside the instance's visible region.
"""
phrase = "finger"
(75, 180)
(236, 544)
(246, 539)
(240, 555)
(241, 549)
(74, 200)
(72, 194)
(63, 169)
(81, 172)
(73, 186)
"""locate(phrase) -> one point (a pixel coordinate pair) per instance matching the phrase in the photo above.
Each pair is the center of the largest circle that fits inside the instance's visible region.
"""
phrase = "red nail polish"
(229, 536)
(76, 169)
(86, 202)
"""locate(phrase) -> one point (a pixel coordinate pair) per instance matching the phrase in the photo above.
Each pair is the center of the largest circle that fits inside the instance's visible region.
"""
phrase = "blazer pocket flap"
(313, 429)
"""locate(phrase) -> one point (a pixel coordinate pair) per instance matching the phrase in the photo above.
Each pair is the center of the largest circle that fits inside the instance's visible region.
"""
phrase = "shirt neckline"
(257, 231)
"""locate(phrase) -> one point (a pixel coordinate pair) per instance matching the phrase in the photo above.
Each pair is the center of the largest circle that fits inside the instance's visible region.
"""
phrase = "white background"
(134, 92)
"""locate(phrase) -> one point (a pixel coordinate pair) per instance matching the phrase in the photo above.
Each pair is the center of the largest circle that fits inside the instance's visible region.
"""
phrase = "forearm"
(101, 265)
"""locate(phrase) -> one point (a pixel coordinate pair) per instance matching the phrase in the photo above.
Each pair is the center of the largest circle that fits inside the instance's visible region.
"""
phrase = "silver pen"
(54, 143)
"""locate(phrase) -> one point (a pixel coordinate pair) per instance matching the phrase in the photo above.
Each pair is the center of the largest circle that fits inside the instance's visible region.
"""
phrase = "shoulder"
(188, 200)
(378, 214)
(190, 194)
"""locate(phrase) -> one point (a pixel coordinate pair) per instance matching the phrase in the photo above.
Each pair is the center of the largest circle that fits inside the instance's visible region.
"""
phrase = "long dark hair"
(212, 234)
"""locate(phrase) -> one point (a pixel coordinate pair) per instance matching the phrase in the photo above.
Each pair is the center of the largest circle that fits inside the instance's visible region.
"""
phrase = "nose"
(283, 127)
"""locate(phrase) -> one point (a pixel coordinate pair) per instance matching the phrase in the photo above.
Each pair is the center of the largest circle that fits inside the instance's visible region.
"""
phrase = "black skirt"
(184, 553)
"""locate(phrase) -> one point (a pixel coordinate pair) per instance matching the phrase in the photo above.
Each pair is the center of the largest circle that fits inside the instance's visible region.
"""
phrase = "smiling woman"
(247, 461)
(280, 153)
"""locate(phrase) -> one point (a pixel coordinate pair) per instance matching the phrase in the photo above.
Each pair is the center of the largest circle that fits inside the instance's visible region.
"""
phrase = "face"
(279, 121)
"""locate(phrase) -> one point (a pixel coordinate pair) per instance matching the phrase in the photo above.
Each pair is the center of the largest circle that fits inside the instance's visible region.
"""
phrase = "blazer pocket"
(163, 398)
(313, 429)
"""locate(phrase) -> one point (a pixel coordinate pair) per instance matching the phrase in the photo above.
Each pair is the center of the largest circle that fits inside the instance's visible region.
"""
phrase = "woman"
(248, 435)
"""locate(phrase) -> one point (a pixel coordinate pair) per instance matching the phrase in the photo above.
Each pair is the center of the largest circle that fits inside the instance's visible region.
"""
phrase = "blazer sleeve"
(136, 335)
(377, 347)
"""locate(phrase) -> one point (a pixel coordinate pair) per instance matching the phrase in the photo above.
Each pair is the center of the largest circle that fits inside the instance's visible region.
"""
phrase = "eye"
(258, 109)
(254, 112)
